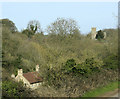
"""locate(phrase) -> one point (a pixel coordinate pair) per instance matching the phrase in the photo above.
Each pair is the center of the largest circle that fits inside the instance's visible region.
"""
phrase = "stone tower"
(37, 68)
(104, 35)
(93, 32)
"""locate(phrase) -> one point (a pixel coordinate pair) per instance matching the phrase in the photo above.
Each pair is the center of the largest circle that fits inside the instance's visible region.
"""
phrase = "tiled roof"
(33, 77)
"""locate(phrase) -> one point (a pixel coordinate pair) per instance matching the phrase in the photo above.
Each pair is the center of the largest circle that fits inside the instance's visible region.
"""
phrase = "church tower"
(93, 32)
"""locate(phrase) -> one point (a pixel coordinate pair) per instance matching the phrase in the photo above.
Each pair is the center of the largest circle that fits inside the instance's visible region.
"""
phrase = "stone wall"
(21, 78)
(34, 86)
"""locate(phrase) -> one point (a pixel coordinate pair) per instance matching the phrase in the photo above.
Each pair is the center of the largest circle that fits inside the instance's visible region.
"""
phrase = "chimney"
(20, 72)
(37, 68)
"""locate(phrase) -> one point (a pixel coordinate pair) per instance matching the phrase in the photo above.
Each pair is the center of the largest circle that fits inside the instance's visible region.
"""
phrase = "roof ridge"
(31, 72)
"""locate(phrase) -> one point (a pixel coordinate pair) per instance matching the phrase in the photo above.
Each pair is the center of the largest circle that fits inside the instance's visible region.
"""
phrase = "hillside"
(71, 63)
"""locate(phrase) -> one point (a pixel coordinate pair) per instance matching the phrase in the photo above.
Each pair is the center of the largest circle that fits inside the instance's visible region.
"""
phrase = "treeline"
(63, 54)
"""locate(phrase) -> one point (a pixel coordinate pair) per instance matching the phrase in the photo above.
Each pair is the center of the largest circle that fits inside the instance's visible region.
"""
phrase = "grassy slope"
(101, 90)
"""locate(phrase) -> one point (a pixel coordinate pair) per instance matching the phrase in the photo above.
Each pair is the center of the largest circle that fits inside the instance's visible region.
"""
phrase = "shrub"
(70, 65)
(13, 89)
(89, 66)
(111, 62)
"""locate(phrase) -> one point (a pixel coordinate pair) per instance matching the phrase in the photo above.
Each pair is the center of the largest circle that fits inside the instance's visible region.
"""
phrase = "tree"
(28, 33)
(63, 26)
(34, 26)
(9, 24)
(100, 35)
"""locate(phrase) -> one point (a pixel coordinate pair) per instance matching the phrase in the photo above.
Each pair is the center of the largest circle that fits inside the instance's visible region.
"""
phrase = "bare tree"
(63, 26)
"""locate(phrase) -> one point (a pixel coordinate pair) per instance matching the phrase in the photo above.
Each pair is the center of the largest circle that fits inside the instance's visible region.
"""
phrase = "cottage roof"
(33, 77)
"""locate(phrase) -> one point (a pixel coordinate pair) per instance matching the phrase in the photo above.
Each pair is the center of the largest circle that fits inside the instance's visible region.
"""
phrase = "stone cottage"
(30, 79)
(94, 33)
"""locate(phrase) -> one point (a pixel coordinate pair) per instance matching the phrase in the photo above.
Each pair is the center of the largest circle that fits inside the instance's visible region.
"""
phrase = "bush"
(111, 62)
(89, 66)
(13, 89)
(70, 65)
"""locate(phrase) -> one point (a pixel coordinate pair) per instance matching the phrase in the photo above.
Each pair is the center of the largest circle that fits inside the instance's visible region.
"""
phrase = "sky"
(101, 15)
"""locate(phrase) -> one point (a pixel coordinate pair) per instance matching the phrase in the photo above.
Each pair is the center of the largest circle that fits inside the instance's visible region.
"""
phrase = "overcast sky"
(87, 14)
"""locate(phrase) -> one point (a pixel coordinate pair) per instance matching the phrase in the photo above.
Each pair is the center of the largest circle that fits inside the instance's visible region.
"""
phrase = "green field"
(102, 90)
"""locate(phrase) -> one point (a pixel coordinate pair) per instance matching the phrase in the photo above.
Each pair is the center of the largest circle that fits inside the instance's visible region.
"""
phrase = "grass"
(102, 90)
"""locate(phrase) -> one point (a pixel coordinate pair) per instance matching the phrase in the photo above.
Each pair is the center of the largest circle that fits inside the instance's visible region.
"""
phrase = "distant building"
(30, 79)
(104, 35)
(93, 33)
